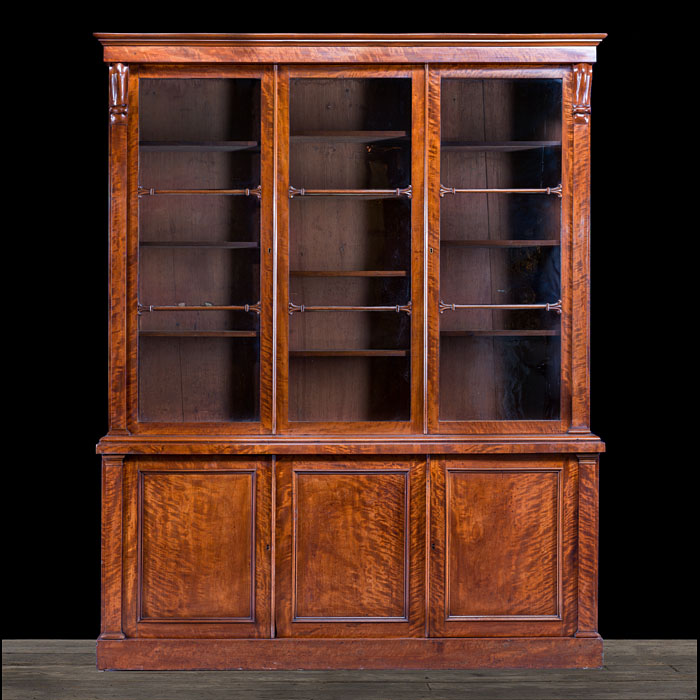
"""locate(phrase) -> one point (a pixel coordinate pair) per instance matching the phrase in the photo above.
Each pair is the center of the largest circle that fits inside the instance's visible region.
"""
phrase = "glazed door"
(201, 235)
(502, 546)
(350, 242)
(500, 199)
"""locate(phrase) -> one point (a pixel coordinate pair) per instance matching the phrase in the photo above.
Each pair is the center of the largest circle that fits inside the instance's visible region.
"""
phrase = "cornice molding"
(107, 39)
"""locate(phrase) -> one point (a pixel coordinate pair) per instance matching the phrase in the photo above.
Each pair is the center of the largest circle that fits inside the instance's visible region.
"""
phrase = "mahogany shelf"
(340, 136)
(200, 244)
(198, 334)
(198, 146)
(492, 243)
(396, 192)
(502, 146)
(513, 333)
(348, 353)
(348, 273)
(361, 471)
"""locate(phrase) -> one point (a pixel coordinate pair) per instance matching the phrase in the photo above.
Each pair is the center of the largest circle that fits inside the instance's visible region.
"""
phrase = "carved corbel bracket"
(118, 93)
(583, 73)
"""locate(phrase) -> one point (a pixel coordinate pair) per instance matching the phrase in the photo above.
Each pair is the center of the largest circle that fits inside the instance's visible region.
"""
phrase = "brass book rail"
(541, 190)
(148, 308)
(503, 307)
(302, 308)
(398, 192)
(247, 192)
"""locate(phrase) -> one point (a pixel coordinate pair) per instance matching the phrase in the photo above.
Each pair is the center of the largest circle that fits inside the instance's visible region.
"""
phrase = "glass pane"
(199, 250)
(500, 249)
(349, 366)
(350, 134)
(350, 250)
(199, 134)
(500, 275)
(501, 371)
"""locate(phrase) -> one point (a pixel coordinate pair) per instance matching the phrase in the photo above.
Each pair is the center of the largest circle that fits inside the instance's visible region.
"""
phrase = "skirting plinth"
(322, 654)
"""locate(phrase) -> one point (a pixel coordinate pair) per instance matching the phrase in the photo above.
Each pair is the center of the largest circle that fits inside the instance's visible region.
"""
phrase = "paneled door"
(350, 557)
(197, 547)
(502, 546)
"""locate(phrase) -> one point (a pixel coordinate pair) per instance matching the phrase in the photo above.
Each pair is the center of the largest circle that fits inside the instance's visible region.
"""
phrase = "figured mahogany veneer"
(349, 353)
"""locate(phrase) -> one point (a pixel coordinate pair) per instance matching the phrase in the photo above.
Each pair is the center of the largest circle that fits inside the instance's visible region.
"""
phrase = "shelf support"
(503, 307)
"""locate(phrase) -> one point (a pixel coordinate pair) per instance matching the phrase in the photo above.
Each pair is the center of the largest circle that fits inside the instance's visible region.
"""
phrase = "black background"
(55, 253)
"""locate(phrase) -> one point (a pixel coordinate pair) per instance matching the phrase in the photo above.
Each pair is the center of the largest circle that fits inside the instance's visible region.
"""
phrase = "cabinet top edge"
(114, 39)
(288, 444)
(517, 49)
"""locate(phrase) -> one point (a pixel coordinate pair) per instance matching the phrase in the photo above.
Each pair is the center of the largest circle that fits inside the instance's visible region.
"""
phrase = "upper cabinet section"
(349, 234)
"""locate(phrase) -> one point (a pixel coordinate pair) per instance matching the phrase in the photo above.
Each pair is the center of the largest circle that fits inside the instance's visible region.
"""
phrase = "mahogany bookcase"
(349, 341)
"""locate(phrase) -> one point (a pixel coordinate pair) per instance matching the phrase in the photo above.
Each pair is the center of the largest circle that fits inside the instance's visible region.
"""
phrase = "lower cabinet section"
(333, 548)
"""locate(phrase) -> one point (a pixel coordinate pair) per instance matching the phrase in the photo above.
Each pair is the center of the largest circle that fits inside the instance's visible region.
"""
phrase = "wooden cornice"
(353, 39)
(348, 48)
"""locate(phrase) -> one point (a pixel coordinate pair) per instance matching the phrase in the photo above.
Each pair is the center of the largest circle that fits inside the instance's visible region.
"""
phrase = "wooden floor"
(65, 670)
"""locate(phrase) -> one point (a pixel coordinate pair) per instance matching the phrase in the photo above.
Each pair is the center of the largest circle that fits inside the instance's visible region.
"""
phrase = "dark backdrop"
(56, 311)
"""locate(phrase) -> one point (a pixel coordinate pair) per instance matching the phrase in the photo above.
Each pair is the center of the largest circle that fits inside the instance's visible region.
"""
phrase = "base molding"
(328, 654)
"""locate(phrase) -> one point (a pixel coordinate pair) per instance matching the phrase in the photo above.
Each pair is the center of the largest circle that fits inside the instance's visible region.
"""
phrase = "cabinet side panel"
(580, 370)
(119, 83)
(112, 489)
(588, 547)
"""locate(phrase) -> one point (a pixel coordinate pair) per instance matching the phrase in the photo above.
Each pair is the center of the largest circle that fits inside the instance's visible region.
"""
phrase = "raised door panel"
(198, 548)
(350, 548)
(502, 547)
